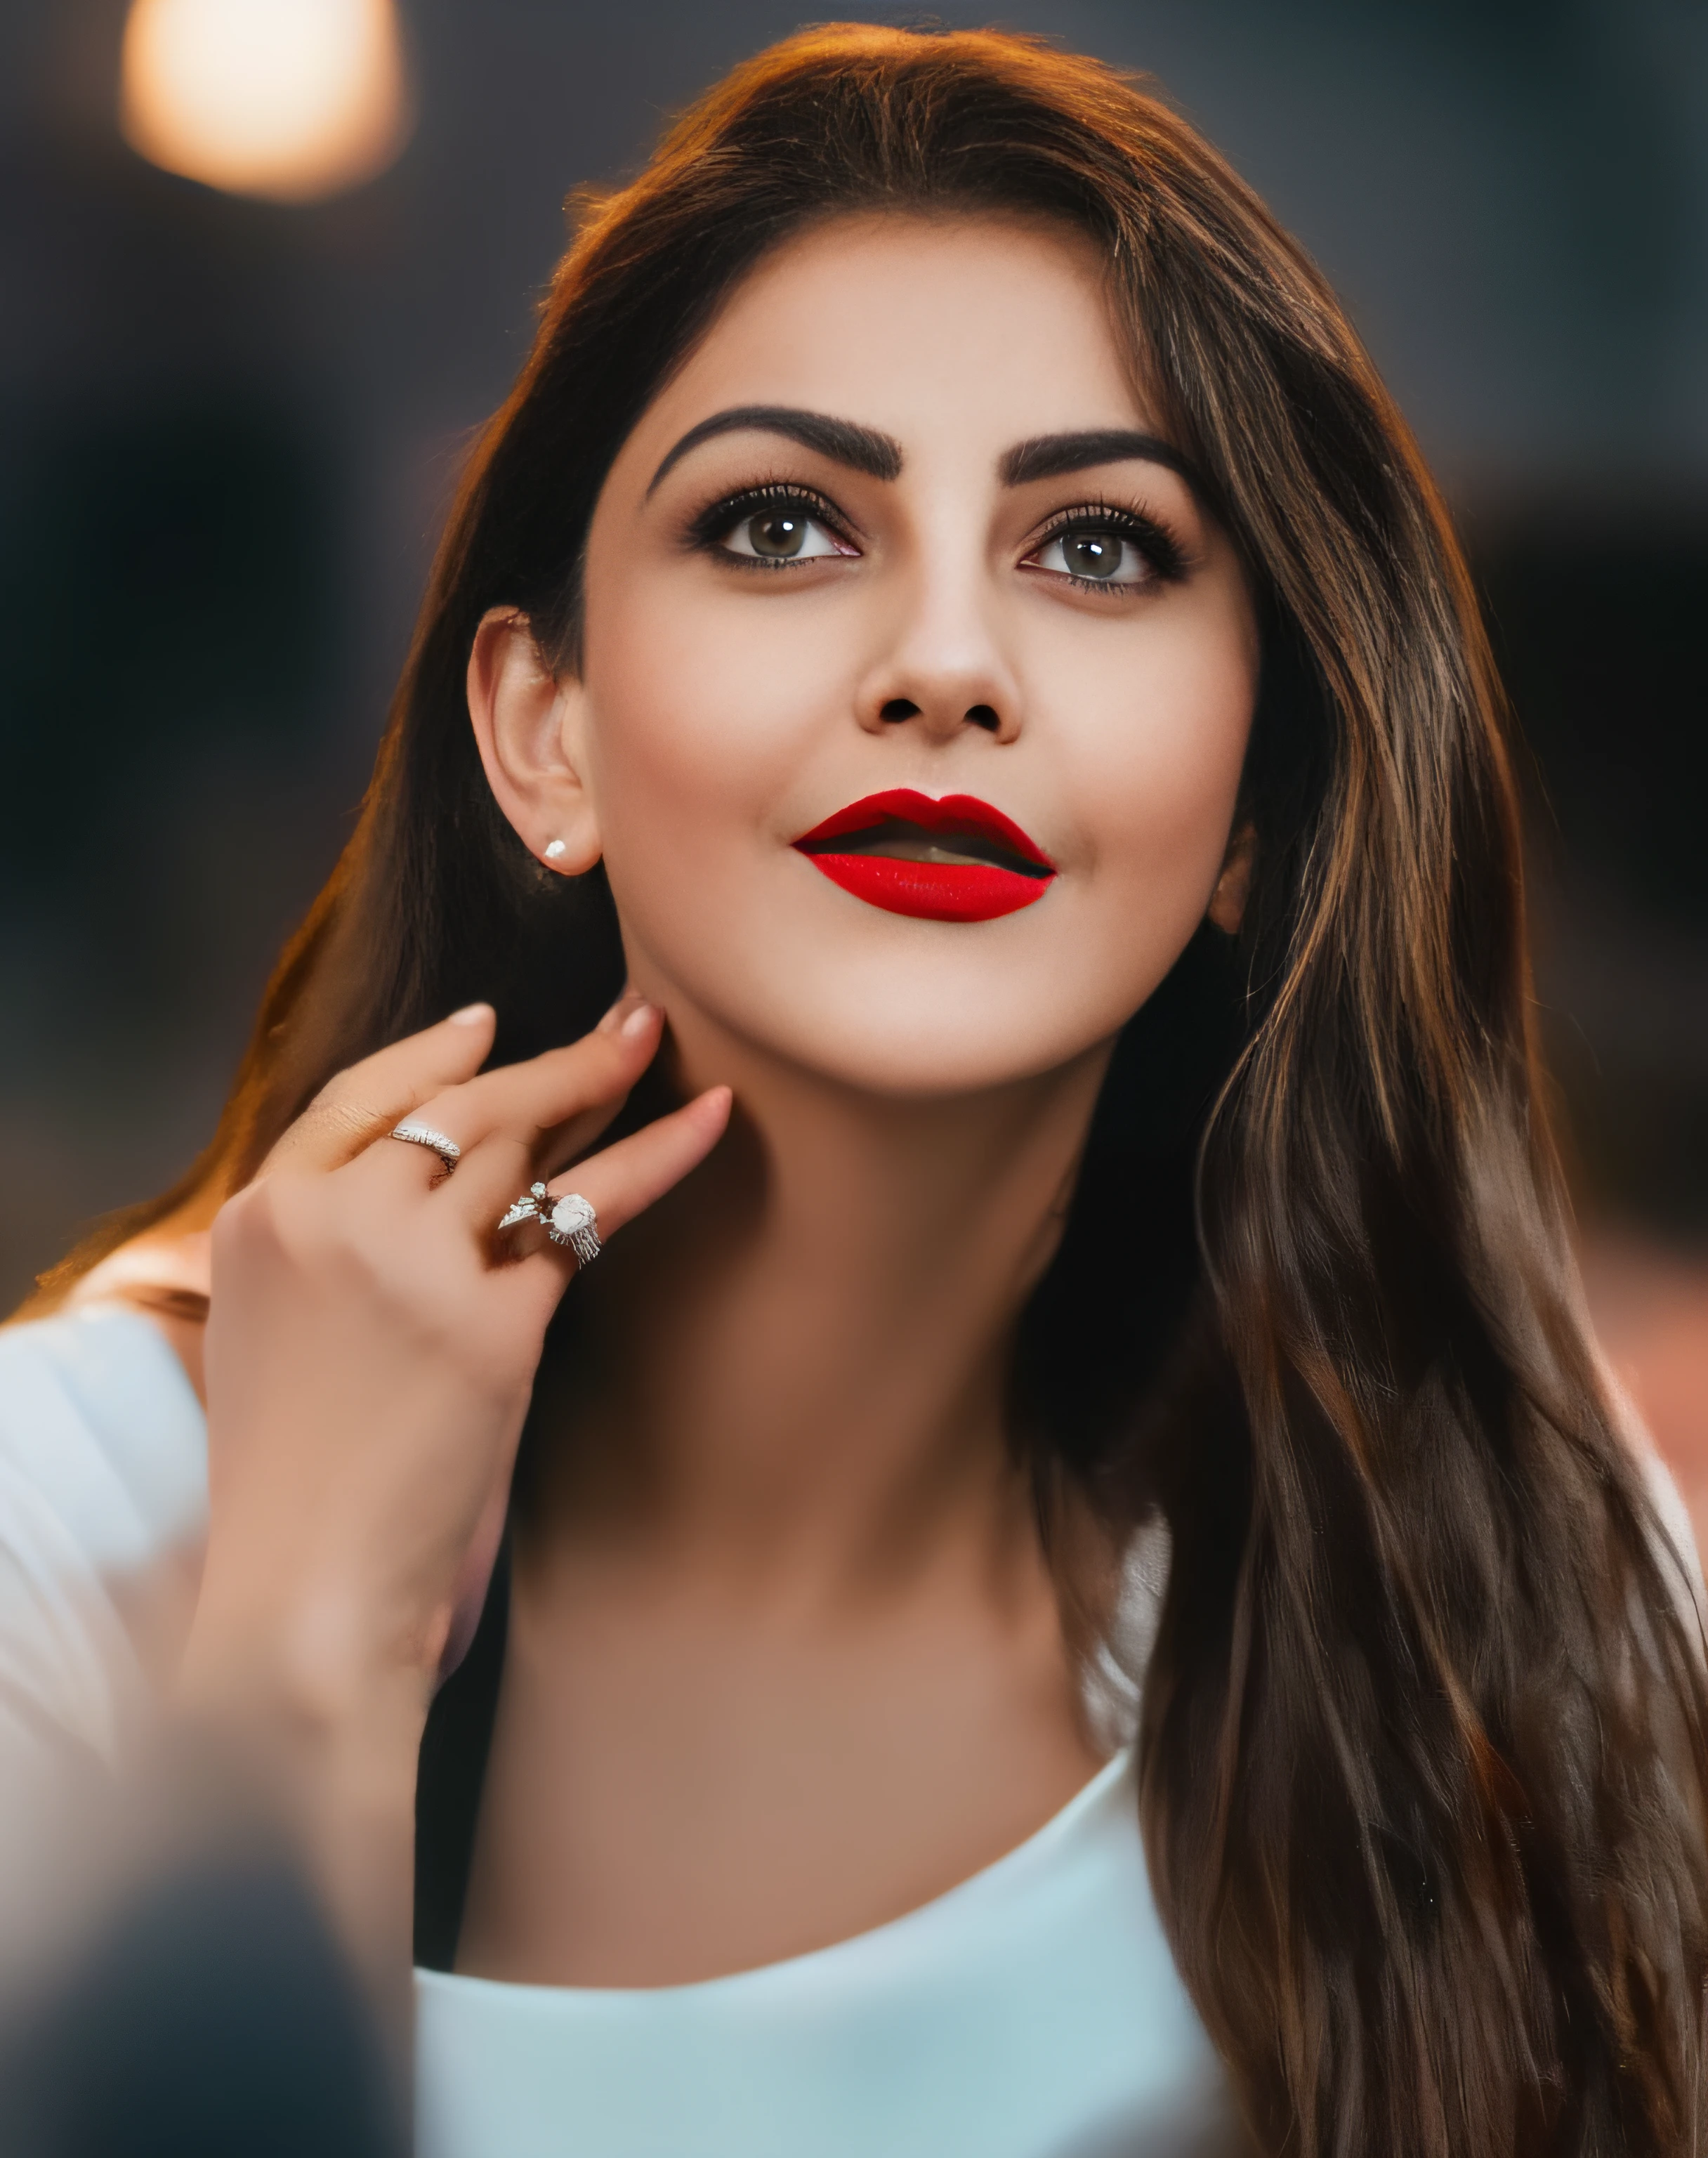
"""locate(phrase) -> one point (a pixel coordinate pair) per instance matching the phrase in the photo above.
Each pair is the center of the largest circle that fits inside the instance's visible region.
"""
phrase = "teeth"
(923, 850)
(911, 843)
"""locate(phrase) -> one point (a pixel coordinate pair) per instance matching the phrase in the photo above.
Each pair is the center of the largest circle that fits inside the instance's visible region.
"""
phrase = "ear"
(1227, 902)
(527, 725)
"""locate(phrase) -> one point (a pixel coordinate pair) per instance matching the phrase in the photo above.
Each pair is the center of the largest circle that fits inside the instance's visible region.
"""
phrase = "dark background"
(228, 430)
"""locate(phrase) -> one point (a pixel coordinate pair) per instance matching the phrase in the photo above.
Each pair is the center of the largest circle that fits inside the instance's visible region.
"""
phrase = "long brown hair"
(1422, 1744)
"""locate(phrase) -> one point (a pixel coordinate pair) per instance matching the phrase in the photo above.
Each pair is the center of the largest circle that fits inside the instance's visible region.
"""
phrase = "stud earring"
(555, 850)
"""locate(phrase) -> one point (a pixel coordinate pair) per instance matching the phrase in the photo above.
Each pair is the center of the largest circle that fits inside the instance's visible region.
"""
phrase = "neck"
(794, 1365)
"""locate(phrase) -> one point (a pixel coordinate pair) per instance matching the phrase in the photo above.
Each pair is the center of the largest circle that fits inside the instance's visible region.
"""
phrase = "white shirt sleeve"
(103, 1474)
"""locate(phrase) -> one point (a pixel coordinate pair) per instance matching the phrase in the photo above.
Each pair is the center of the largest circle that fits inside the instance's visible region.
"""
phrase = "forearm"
(328, 1739)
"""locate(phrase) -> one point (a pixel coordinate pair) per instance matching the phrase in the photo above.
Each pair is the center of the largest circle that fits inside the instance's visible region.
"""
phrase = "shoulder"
(100, 1424)
(103, 1479)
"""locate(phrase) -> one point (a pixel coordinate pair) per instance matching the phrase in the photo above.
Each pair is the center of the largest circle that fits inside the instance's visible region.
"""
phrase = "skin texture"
(785, 1656)
(723, 710)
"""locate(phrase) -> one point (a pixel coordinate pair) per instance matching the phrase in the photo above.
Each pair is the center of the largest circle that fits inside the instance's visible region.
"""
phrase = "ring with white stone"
(414, 1134)
(569, 1220)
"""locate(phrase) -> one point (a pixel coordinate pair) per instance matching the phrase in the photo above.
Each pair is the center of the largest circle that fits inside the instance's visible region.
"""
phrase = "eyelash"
(1152, 540)
(719, 518)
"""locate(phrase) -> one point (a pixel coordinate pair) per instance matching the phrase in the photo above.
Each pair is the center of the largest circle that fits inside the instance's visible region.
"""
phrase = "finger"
(507, 1122)
(355, 1108)
(624, 1179)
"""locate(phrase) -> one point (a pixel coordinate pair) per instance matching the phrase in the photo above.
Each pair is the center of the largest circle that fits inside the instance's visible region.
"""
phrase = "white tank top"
(1034, 2011)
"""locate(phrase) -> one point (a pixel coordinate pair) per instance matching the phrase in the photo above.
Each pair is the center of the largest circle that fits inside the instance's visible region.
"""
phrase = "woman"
(961, 649)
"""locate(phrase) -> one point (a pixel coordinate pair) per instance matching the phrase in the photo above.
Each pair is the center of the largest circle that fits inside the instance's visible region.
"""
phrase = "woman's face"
(901, 527)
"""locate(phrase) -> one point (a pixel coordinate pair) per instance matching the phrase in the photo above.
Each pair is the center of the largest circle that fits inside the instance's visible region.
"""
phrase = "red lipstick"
(957, 860)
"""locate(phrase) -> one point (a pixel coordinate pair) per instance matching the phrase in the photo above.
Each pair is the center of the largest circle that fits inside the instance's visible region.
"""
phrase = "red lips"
(935, 891)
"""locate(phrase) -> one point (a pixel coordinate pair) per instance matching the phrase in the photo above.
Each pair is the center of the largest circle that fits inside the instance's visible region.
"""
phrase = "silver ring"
(414, 1134)
(569, 1220)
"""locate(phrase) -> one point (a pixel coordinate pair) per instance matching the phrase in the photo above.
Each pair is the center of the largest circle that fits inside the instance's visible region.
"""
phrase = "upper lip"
(948, 815)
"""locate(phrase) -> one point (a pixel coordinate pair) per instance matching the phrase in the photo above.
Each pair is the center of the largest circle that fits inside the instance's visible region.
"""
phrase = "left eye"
(1100, 556)
(786, 534)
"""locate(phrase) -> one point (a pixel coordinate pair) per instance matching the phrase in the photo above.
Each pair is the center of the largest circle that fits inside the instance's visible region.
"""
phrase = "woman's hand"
(370, 1354)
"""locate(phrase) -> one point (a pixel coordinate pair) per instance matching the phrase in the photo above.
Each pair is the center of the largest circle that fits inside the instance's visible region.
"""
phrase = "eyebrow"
(1052, 456)
(863, 449)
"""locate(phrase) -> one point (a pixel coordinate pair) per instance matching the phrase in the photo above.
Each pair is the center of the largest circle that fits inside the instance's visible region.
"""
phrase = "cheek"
(694, 727)
(1155, 775)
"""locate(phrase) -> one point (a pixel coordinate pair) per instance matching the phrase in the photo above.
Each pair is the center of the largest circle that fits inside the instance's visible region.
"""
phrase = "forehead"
(932, 329)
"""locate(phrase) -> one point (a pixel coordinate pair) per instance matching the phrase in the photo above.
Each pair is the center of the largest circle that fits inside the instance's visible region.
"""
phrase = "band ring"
(569, 1220)
(414, 1134)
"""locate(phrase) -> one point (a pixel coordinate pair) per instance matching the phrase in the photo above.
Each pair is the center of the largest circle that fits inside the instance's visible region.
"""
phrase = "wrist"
(317, 1625)
(318, 1667)
(328, 1731)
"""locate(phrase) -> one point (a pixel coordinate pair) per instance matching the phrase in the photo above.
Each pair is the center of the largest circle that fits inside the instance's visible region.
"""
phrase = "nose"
(944, 670)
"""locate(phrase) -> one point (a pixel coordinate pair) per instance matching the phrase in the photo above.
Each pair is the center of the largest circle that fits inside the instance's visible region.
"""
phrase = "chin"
(906, 1010)
(914, 1043)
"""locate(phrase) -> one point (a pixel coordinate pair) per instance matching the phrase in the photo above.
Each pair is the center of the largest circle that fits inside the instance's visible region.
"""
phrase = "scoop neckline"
(999, 1873)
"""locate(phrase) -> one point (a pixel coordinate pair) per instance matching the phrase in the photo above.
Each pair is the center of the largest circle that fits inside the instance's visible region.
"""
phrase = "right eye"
(781, 532)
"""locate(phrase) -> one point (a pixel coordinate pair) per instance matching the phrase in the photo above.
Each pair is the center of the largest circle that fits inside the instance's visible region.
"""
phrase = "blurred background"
(266, 264)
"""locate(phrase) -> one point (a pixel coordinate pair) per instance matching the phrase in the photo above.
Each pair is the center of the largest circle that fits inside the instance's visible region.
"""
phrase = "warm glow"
(293, 98)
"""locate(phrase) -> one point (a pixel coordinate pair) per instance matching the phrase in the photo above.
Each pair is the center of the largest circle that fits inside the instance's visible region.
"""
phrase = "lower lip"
(934, 892)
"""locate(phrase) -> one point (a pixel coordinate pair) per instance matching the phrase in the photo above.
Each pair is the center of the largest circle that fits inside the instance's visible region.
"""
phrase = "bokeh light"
(293, 100)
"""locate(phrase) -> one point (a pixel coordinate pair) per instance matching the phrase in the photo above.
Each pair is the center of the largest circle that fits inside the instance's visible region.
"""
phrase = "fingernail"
(639, 1019)
(617, 1019)
(471, 1014)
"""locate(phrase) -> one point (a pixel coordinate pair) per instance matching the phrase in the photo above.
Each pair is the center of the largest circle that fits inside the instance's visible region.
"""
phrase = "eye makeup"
(794, 502)
(710, 530)
(1156, 546)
